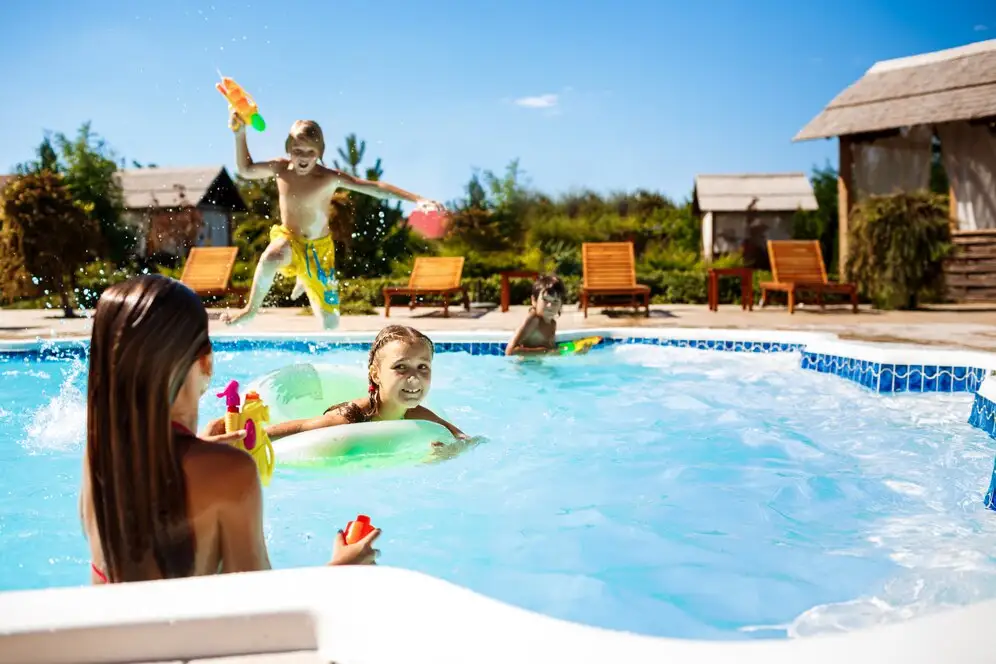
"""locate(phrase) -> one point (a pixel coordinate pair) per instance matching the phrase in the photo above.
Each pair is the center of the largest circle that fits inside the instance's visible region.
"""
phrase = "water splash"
(60, 424)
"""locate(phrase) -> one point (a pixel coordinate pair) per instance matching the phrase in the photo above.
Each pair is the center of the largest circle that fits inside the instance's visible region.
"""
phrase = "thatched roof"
(944, 86)
(178, 187)
(774, 192)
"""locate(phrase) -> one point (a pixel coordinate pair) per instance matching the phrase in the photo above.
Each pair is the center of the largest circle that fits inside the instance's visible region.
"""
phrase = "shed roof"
(775, 192)
(944, 86)
(178, 187)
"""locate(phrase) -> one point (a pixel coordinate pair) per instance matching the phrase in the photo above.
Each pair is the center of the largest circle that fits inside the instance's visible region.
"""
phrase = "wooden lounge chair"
(209, 269)
(610, 270)
(797, 265)
(431, 275)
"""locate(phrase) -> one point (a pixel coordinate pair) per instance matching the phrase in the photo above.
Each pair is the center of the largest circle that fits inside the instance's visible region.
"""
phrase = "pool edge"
(347, 615)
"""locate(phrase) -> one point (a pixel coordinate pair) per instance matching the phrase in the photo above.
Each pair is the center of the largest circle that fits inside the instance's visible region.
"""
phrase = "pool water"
(664, 491)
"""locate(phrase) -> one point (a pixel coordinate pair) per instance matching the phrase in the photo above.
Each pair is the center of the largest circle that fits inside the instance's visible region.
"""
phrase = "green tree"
(821, 224)
(252, 229)
(371, 234)
(47, 160)
(898, 245)
(45, 237)
(88, 167)
(490, 218)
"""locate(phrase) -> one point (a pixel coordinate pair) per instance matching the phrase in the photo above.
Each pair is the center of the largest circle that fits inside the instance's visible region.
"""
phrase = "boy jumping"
(301, 245)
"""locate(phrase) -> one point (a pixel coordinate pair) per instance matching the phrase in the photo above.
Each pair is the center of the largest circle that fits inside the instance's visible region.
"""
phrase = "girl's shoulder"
(351, 411)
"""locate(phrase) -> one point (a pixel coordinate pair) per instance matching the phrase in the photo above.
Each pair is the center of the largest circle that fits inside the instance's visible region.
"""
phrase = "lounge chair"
(431, 276)
(209, 269)
(610, 270)
(797, 265)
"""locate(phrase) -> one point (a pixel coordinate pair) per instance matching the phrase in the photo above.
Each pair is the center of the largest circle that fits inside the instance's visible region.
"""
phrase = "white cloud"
(981, 28)
(542, 101)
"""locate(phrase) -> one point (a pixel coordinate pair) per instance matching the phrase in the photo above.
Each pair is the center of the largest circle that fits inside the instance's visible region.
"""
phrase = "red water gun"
(358, 529)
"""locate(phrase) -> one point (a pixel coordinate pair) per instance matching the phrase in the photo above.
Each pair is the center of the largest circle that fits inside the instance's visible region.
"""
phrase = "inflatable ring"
(363, 446)
(304, 391)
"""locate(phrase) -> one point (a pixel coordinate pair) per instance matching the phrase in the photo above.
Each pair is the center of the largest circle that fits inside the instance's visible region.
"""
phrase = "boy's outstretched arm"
(245, 167)
(381, 190)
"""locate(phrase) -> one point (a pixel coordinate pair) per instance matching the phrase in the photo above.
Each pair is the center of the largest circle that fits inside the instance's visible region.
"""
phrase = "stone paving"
(952, 327)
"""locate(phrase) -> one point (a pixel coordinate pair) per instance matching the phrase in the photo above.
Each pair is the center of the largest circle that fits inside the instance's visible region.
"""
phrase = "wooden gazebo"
(886, 123)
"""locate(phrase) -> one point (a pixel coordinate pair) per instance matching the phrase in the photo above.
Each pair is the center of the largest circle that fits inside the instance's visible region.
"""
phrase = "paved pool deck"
(969, 327)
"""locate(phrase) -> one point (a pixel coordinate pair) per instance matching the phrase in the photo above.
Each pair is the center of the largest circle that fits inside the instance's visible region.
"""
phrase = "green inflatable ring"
(305, 390)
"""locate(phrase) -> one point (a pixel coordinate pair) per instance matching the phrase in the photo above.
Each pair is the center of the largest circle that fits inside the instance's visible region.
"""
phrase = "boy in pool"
(400, 375)
(538, 333)
(301, 246)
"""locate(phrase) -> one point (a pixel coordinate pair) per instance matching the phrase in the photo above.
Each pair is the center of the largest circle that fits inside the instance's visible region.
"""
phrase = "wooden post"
(952, 209)
(845, 199)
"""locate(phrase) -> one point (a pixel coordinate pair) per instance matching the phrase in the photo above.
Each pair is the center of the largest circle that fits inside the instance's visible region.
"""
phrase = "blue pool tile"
(929, 378)
(916, 379)
(852, 370)
(901, 379)
(944, 379)
(959, 379)
(974, 379)
(983, 415)
(822, 363)
(869, 371)
(886, 375)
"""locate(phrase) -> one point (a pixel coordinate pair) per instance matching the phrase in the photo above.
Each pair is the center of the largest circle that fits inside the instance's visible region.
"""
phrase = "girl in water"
(157, 501)
(399, 374)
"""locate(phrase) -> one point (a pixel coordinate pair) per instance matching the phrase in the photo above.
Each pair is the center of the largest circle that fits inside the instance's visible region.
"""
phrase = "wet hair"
(549, 283)
(353, 413)
(147, 333)
(306, 131)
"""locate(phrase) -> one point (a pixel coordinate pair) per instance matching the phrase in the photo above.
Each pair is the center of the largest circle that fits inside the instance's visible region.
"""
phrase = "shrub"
(897, 247)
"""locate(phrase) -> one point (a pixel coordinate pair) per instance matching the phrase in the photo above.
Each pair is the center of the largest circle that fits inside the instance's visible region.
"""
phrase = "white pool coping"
(812, 342)
(456, 336)
(385, 615)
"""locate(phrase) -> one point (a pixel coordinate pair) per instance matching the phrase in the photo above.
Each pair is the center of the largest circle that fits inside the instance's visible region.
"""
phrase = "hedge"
(361, 296)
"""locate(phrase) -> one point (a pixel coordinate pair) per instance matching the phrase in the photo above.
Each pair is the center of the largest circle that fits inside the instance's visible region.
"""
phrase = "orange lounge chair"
(610, 270)
(797, 265)
(209, 269)
(433, 275)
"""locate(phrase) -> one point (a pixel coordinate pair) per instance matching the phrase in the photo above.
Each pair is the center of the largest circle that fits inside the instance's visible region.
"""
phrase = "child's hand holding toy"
(354, 545)
(235, 122)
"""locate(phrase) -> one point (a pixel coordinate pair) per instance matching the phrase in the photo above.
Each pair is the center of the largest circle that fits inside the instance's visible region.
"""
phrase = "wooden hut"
(886, 123)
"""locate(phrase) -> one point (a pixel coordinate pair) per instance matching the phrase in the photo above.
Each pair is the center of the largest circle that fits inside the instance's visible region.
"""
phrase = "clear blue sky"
(599, 94)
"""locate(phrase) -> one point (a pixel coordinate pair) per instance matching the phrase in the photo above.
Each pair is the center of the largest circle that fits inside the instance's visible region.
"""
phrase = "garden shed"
(743, 212)
(174, 209)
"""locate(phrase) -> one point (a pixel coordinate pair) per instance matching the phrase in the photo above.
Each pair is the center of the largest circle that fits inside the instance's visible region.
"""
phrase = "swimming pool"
(662, 490)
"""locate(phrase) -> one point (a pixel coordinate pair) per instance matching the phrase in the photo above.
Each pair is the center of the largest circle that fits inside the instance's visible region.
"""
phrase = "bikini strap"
(179, 428)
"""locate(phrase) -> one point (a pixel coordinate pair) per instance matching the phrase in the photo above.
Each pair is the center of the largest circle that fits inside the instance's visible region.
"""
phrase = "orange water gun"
(241, 102)
(358, 529)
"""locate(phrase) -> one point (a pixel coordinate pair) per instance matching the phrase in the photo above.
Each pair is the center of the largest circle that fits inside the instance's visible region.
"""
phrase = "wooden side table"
(746, 276)
(506, 275)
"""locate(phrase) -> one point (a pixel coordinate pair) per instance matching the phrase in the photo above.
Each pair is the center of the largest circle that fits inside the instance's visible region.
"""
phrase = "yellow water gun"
(241, 102)
(578, 346)
(250, 417)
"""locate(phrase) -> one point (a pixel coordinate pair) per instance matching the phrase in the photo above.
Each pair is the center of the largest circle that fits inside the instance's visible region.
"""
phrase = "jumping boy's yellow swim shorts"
(313, 262)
